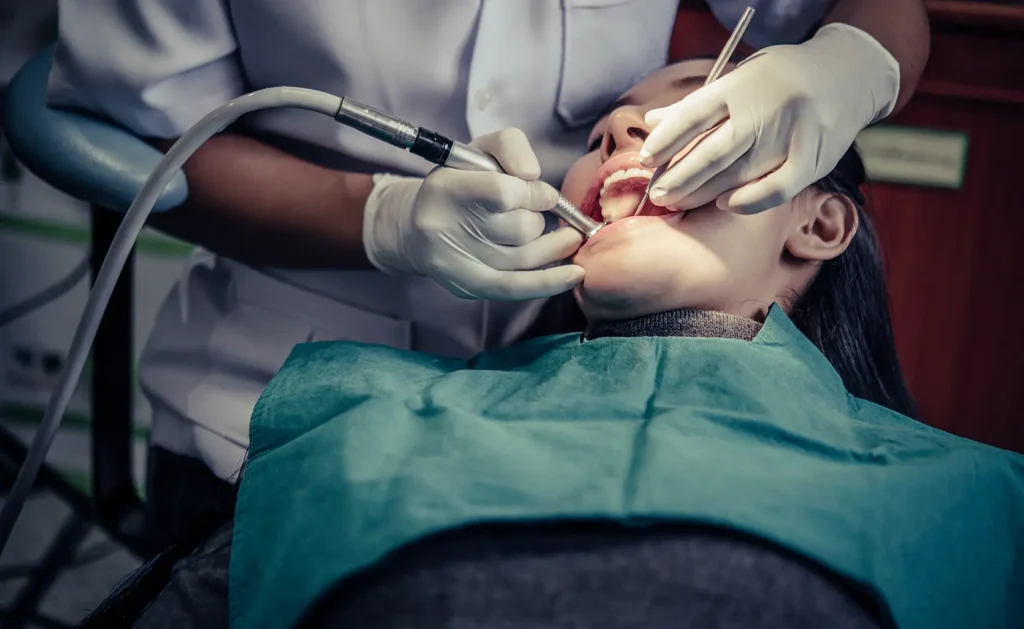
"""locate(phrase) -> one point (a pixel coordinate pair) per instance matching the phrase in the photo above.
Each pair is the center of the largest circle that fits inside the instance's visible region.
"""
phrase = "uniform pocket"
(609, 45)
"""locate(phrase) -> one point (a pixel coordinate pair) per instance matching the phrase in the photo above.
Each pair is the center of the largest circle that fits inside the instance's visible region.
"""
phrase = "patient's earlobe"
(827, 225)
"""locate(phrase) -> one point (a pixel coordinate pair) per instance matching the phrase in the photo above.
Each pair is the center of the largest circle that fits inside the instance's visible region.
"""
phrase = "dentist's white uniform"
(461, 67)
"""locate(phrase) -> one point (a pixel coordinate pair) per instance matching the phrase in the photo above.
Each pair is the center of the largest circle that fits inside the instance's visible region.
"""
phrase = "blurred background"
(945, 193)
(58, 565)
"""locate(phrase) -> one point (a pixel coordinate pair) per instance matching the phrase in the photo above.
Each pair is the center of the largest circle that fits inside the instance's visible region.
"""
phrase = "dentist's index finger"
(711, 154)
(541, 252)
(497, 192)
(522, 285)
(512, 149)
(677, 125)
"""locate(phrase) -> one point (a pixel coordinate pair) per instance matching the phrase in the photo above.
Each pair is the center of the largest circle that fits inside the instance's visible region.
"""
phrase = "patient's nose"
(626, 131)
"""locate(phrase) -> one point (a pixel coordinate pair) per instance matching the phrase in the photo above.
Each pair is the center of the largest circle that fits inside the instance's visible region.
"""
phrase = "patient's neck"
(696, 323)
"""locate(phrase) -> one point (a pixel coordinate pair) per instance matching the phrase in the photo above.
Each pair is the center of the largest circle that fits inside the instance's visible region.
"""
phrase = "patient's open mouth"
(617, 190)
(620, 199)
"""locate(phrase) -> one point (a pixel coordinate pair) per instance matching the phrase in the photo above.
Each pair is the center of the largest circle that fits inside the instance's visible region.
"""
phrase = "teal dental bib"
(357, 450)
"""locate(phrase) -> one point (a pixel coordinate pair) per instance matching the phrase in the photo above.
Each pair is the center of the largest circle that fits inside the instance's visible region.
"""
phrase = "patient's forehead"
(669, 84)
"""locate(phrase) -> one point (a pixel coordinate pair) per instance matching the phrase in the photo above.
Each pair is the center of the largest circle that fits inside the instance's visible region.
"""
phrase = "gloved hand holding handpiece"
(479, 234)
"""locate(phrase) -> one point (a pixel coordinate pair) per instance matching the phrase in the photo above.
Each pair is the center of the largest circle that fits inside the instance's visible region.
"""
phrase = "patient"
(727, 445)
(737, 265)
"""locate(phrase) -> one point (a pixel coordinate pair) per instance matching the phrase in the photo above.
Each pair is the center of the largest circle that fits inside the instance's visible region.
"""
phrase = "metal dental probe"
(716, 71)
(438, 149)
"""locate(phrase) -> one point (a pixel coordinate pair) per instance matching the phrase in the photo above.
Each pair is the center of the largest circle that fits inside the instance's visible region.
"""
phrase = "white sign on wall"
(914, 156)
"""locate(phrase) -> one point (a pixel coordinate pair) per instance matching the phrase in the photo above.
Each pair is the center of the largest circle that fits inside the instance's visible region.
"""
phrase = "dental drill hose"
(132, 224)
(419, 141)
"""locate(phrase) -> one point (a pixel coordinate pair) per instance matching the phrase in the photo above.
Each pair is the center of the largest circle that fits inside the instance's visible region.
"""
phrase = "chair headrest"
(79, 154)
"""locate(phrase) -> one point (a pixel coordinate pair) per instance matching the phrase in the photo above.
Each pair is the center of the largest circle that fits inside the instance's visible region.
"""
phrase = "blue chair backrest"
(78, 154)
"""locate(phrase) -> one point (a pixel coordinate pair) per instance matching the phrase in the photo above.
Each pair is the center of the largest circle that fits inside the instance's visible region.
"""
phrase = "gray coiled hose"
(133, 222)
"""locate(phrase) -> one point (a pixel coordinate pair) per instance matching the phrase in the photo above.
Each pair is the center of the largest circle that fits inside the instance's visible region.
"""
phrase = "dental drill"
(437, 149)
(427, 144)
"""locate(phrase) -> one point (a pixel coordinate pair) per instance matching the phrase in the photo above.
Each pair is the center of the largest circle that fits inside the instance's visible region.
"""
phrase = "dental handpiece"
(438, 149)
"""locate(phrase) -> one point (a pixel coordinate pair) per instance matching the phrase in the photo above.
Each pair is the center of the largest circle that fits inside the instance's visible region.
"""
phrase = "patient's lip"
(622, 161)
(632, 222)
(631, 159)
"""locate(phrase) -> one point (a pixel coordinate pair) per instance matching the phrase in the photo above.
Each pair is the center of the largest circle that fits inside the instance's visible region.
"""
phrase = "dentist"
(309, 231)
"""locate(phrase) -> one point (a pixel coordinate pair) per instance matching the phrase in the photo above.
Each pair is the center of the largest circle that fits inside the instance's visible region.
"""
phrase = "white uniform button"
(483, 98)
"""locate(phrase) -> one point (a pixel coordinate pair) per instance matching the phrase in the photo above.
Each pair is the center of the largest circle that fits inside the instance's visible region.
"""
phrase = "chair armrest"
(79, 155)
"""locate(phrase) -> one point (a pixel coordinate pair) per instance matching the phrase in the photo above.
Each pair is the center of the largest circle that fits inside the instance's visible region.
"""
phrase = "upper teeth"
(622, 175)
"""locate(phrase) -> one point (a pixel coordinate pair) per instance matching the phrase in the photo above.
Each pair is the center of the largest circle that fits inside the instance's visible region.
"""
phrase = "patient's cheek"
(579, 178)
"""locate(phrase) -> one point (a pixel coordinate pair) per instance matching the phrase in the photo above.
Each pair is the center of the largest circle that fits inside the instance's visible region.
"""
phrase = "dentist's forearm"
(258, 205)
(901, 26)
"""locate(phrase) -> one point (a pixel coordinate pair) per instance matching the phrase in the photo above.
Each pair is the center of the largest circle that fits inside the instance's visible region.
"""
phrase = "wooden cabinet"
(955, 258)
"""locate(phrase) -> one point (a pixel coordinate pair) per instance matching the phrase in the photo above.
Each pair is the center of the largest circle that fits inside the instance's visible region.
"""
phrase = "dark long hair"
(129, 600)
(845, 310)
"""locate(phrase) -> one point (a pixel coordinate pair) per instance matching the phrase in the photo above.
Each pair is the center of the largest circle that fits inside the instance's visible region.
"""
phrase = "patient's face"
(663, 259)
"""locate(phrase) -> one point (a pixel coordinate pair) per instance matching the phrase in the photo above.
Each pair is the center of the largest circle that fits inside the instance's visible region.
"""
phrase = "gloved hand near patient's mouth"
(481, 235)
(790, 114)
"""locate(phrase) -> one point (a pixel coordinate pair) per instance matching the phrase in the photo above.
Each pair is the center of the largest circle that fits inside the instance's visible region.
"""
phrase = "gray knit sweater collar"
(694, 323)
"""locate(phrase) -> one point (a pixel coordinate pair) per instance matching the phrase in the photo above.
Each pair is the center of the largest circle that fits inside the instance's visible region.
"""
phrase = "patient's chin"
(613, 298)
(623, 288)
(645, 271)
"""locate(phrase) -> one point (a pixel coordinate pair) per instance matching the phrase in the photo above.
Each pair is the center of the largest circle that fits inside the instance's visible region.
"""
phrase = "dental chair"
(106, 166)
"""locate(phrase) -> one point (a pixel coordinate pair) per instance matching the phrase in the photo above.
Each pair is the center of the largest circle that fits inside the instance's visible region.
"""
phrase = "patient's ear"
(825, 226)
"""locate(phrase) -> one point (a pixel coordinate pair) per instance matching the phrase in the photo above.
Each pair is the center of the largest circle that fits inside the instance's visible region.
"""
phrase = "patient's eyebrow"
(682, 83)
(688, 82)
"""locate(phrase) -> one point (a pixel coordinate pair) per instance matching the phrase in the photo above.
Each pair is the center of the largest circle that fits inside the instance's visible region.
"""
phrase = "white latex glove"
(790, 114)
(480, 235)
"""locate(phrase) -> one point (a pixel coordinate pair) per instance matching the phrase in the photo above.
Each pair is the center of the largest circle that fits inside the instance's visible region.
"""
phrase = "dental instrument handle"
(463, 157)
(730, 46)
(440, 150)
(716, 71)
